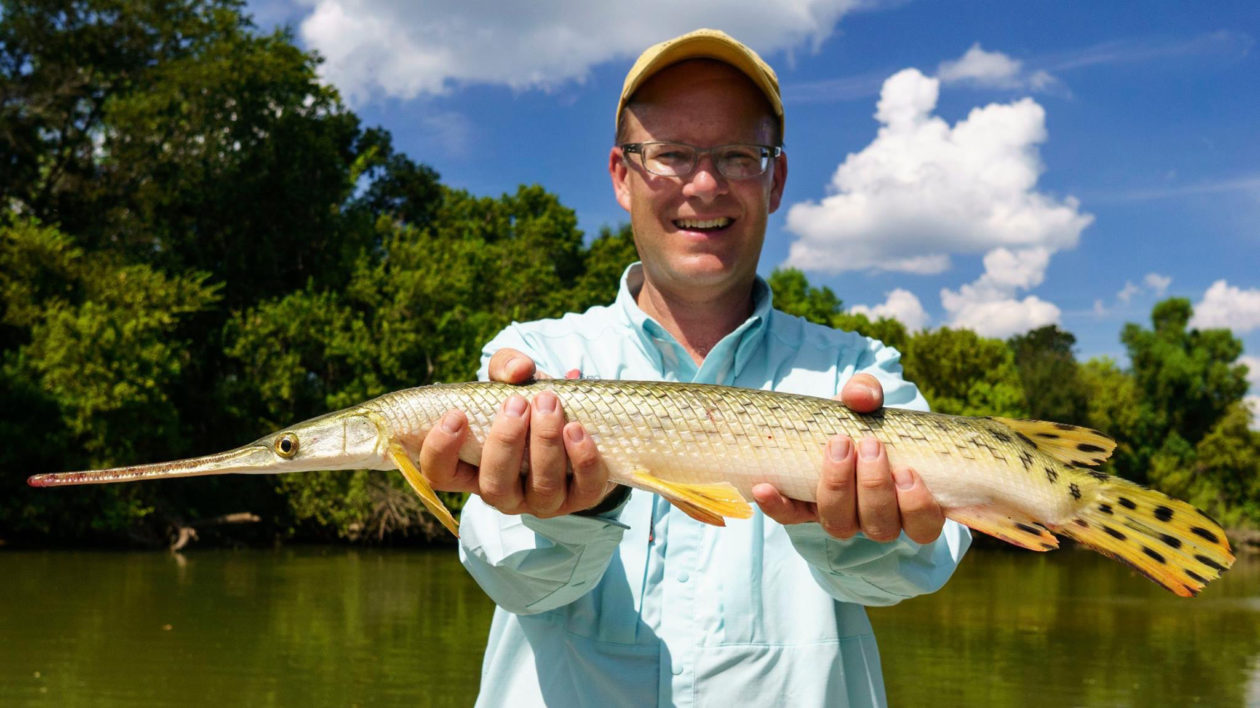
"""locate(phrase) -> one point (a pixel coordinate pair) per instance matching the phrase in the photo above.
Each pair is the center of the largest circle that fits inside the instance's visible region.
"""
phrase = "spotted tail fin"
(1169, 541)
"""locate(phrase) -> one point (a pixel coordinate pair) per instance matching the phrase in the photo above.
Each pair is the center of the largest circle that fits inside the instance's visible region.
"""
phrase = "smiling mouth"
(704, 224)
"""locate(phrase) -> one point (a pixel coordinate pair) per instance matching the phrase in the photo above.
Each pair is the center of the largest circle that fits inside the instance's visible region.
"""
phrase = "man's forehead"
(695, 85)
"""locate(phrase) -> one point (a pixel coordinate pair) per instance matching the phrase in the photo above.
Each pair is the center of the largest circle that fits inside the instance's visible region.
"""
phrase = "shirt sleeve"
(868, 572)
(524, 563)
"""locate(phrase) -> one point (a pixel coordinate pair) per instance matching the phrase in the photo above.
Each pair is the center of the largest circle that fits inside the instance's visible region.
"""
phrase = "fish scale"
(704, 448)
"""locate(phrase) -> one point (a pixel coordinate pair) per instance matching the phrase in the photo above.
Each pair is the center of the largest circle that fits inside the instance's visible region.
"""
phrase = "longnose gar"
(704, 447)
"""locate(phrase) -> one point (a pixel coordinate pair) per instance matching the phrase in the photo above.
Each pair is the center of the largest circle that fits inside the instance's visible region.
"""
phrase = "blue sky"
(988, 164)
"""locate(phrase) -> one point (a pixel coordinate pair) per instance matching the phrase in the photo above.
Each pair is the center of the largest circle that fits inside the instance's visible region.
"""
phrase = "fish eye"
(286, 445)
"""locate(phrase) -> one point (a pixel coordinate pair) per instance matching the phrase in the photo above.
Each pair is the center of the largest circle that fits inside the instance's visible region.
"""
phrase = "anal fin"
(421, 486)
(1025, 534)
(706, 503)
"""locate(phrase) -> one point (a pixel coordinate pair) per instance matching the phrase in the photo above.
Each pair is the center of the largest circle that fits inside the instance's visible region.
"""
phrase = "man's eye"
(741, 156)
(672, 156)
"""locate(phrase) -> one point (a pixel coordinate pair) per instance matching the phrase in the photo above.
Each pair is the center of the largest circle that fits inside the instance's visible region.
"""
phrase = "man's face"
(700, 234)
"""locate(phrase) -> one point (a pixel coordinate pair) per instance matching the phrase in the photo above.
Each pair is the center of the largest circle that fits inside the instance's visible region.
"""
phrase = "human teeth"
(704, 223)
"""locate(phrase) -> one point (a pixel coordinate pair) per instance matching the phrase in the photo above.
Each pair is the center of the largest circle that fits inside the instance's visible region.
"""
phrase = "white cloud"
(930, 190)
(1224, 305)
(977, 67)
(989, 305)
(379, 48)
(926, 189)
(901, 305)
(1157, 283)
(1253, 369)
(1128, 291)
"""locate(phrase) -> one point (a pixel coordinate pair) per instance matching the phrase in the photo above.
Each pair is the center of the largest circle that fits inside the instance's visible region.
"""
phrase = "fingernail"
(869, 448)
(451, 422)
(518, 365)
(573, 374)
(839, 449)
(545, 402)
(575, 433)
(515, 406)
(903, 478)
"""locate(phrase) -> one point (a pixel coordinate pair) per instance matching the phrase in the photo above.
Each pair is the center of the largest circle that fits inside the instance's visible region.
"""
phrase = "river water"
(352, 627)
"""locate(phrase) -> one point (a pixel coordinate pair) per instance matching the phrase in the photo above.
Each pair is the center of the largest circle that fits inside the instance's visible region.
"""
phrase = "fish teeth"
(719, 223)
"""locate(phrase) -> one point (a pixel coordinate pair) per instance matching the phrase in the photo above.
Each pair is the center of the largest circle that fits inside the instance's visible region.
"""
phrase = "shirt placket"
(679, 612)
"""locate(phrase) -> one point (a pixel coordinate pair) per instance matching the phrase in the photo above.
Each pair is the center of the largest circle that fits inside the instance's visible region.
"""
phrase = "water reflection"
(331, 626)
(1071, 628)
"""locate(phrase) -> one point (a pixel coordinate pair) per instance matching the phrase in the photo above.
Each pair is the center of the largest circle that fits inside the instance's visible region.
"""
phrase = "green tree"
(1049, 374)
(417, 312)
(1113, 407)
(794, 295)
(96, 362)
(962, 373)
(195, 171)
(1188, 379)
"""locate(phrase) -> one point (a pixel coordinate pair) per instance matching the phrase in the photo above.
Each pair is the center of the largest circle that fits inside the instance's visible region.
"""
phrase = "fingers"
(782, 509)
(838, 489)
(878, 513)
(553, 448)
(859, 491)
(545, 486)
(921, 516)
(501, 457)
(590, 477)
(439, 456)
(511, 366)
(863, 393)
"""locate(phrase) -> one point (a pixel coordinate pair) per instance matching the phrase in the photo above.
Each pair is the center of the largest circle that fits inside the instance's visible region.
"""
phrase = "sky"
(993, 165)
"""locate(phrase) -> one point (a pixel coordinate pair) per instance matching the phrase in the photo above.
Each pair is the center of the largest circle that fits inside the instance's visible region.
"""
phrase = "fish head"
(354, 438)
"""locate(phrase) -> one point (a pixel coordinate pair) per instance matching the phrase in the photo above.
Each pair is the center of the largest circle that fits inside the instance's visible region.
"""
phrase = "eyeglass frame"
(769, 154)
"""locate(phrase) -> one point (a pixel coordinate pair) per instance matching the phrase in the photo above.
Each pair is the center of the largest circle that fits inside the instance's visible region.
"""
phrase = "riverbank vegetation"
(200, 242)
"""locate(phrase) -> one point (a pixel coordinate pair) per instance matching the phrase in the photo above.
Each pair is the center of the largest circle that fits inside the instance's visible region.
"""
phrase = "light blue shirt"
(646, 606)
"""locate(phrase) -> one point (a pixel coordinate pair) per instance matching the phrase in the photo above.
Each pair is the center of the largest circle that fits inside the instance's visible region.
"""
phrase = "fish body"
(704, 448)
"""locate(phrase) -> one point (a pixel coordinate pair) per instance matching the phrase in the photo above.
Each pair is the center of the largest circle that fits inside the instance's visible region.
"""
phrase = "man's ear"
(620, 174)
(780, 179)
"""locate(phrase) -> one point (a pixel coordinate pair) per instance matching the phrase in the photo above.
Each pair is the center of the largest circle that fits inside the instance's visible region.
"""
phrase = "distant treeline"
(199, 243)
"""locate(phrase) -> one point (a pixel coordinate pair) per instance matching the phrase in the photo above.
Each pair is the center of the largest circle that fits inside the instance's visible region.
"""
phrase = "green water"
(331, 626)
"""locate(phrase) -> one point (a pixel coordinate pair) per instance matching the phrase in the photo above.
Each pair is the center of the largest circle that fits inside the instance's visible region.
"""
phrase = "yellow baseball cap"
(704, 44)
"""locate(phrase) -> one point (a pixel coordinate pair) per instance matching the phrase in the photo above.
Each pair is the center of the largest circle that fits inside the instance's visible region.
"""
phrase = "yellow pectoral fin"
(422, 488)
(706, 503)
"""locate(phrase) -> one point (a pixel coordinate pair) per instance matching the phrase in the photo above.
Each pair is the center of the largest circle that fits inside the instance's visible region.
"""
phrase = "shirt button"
(677, 669)
(683, 577)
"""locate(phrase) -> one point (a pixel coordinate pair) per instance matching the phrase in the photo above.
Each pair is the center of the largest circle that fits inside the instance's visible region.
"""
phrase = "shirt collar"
(727, 359)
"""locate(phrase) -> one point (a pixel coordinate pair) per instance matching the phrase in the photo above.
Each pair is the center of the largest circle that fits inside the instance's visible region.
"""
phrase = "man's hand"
(536, 428)
(859, 491)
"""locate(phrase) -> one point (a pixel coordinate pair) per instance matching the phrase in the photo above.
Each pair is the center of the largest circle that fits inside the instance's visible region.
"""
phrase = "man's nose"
(705, 182)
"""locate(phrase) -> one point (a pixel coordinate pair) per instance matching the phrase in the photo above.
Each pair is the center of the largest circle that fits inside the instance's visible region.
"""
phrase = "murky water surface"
(334, 626)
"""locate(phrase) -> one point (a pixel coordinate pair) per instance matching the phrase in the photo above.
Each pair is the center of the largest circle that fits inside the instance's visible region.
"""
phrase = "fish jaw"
(349, 439)
(242, 459)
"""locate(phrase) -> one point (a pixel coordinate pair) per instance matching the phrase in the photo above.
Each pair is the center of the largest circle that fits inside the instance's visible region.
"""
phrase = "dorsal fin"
(1067, 443)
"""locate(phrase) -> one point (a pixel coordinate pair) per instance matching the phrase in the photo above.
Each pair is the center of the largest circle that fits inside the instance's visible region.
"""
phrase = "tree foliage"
(962, 373)
(1049, 374)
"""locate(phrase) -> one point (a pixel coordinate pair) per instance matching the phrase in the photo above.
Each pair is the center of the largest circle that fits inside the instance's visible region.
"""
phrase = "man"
(608, 596)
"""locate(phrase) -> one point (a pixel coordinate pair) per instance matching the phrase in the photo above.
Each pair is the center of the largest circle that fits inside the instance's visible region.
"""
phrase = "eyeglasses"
(737, 161)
